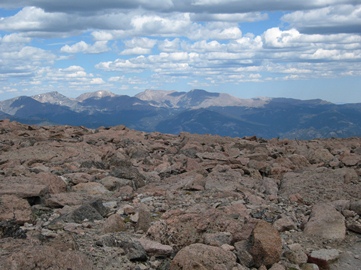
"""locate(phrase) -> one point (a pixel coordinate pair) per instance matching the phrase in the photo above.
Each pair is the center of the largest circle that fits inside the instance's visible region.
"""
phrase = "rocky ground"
(114, 198)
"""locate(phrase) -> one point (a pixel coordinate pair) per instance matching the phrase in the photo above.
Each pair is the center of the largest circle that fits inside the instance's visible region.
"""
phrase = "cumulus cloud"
(227, 17)
(331, 19)
(139, 46)
(36, 22)
(207, 6)
(83, 47)
(199, 41)
(167, 45)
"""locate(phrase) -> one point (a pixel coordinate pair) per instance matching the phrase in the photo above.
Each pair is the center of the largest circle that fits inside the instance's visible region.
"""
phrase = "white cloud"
(83, 47)
(169, 45)
(229, 17)
(215, 30)
(276, 38)
(97, 81)
(102, 35)
(139, 46)
(14, 38)
(331, 19)
(169, 41)
(161, 25)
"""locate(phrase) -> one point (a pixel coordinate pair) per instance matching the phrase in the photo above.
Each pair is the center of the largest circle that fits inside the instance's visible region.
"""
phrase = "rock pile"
(115, 198)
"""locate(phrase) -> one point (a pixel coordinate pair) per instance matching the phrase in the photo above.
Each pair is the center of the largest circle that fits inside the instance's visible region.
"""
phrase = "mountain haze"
(196, 111)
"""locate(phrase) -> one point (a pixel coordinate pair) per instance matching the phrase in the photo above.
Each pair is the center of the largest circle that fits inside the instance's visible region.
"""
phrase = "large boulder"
(266, 244)
(200, 256)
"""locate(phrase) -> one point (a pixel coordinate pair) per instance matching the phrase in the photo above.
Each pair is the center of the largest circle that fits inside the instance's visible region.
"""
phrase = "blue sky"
(300, 49)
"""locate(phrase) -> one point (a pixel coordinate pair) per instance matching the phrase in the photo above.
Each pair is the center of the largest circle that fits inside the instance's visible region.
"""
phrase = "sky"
(302, 49)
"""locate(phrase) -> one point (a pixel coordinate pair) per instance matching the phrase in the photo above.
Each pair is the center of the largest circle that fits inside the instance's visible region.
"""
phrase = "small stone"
(114, 223)
(356, 207)
(296, 254)
(134, 217)
(277, 266)
(284, 224)
(241, 250)
(310, 266)
(227, 247)
(327, 255)
(217, 239)
(354, 226)
(155, 248)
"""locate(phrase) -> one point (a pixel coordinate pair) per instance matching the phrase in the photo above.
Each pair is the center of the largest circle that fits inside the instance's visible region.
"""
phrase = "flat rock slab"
(327, 255)
(326, 223)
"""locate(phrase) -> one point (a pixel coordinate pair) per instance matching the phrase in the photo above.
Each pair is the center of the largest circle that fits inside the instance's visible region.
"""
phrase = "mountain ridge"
(196, 111)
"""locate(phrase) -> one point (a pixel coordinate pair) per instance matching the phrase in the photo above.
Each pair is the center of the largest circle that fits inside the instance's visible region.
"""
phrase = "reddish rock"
(217, 239)
(63, 199)
(320, 156)
(54, 183)
(113, 183)
(350, 159)
(200, 256)
(154, 248)
(45, 257)
(91, 188)
(77, 178)
(114, 223)
(14, 207)
(285, 223)
(266, 244)
(23, 190)
(144, 219)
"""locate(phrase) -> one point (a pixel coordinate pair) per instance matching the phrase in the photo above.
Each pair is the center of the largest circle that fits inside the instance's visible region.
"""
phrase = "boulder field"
(116, 198)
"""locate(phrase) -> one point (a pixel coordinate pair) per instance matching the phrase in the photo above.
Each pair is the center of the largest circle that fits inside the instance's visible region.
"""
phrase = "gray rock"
(356, 207)
(84, 212)
(133, 249)
(217, 239)
(326, 222)
(327, 255)
(296, 254)
(241, 250)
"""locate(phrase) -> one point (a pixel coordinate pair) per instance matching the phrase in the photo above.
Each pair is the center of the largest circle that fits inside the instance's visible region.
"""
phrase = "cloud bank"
(118, 45)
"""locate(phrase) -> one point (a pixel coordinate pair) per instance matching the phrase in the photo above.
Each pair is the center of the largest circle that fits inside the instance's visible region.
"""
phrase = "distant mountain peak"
(56, 98)
(50, 97)
(195, 99)
(97, 94)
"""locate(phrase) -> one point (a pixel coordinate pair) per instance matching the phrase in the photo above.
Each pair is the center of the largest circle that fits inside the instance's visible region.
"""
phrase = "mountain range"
(196, 111)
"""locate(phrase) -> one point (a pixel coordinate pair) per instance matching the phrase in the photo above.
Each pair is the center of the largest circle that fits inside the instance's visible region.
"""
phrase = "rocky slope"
(114, 198)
